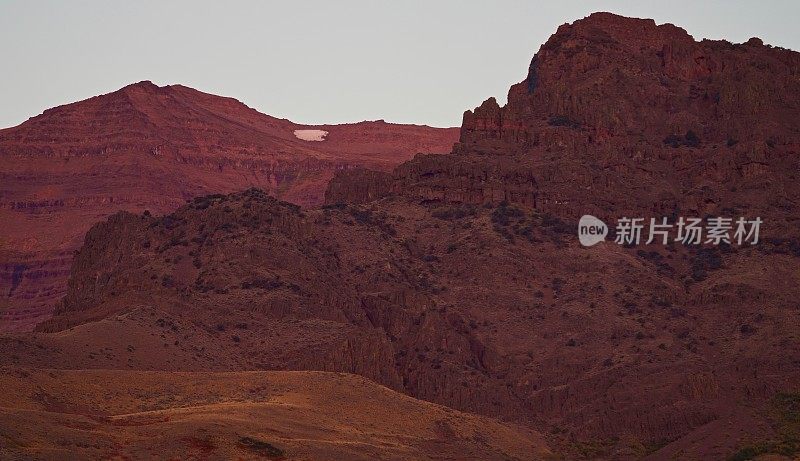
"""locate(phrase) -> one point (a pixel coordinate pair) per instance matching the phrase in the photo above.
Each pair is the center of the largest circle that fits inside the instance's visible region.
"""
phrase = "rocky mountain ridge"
(146, 147)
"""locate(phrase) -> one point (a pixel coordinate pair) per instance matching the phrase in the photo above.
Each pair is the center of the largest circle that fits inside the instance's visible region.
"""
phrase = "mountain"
(459, 279)
(146, 147)
(619, 115)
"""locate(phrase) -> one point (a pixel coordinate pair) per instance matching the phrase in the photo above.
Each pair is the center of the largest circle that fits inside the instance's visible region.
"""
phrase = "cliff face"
(146, 147)
(610, 77)
(619, 116)
(358, 186)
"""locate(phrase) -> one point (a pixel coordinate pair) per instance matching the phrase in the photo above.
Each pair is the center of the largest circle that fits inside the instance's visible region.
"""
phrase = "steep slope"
(146, 147)
(264, 415)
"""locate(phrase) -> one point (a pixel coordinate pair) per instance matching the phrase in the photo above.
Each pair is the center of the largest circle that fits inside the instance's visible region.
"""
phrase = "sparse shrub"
(558, 284)
(691, 139)
(263, 283)
(169, 222)
(705, 260)
(673, 140)
(660, 301)
(262, 448)
(178, 240)
(167, 281)
(563, 120)
(362, 216)
(556, 225)
(780, 245)
(227, 227)
(367, 217)
(503, 214)
(698, 274)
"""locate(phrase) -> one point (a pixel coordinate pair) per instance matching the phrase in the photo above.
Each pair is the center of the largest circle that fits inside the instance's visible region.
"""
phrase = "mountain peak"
(608, 29)
(143, 86)
(611, 75)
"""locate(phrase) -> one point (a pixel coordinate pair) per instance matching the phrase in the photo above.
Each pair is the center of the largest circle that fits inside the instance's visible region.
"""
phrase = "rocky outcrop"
(621, 116)
(357, 186)
(609, 76)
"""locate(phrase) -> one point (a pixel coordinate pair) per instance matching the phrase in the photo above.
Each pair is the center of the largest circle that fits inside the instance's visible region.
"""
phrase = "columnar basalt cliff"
(147, 147)
(458, 278)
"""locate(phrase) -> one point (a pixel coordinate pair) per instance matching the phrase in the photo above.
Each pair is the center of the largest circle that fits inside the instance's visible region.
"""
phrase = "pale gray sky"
(320, 61)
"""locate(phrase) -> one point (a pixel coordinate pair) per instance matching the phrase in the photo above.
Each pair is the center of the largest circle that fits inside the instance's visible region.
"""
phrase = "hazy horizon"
(319, 62)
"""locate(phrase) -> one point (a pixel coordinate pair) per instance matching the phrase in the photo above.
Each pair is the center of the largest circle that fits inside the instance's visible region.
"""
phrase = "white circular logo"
(591, 230)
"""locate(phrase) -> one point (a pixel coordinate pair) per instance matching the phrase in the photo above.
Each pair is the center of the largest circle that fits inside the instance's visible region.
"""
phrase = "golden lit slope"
(53, 414)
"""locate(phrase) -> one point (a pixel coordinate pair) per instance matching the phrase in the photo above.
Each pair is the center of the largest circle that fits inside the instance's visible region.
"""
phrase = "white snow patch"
(311, 135)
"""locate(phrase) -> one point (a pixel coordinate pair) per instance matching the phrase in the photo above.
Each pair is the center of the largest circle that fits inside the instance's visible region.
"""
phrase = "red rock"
(146, 147)
(459, 279)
